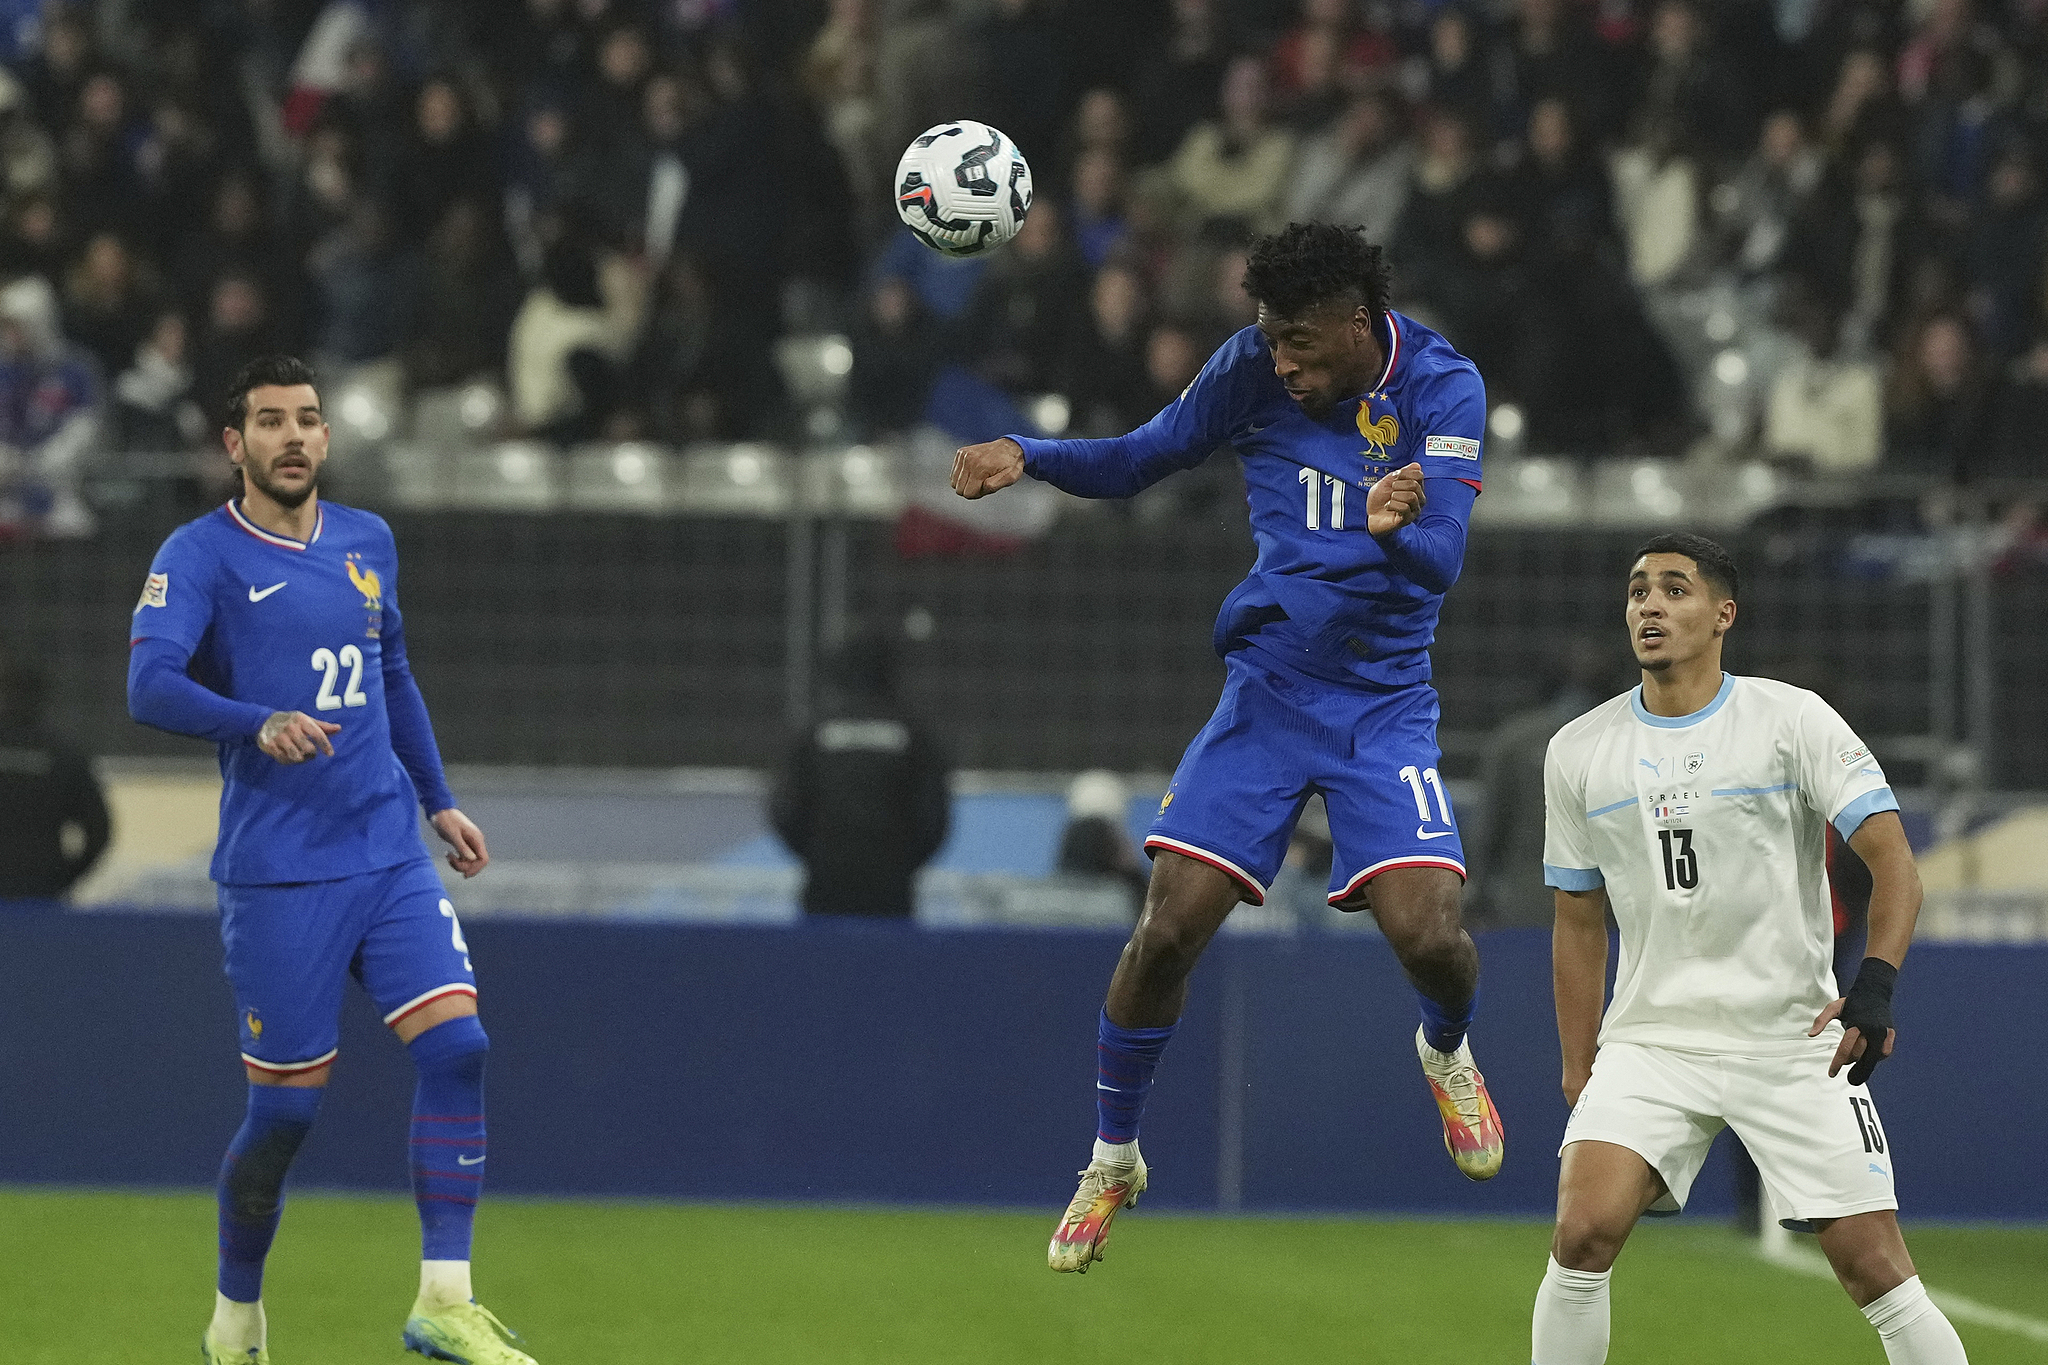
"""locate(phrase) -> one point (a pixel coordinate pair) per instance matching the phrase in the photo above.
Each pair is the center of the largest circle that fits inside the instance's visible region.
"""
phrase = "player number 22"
(1681, 864)
(1314, 512)
(326, 661)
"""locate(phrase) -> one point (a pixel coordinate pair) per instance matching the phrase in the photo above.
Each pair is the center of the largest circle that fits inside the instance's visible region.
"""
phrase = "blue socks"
(251, 1190)
(1444, 1029)
(448, 1134)
(1125, 1059)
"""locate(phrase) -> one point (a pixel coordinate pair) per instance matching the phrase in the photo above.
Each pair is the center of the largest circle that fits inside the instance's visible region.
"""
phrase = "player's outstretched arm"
(982, 469)
(1866, 1011)
(1578, 967)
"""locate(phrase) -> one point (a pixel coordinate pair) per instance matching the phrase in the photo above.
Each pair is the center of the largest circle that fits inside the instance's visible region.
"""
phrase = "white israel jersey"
(1708, 832)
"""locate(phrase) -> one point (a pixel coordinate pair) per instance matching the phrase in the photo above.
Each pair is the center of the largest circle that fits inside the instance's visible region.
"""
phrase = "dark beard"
(1655, 665)
(287, 498)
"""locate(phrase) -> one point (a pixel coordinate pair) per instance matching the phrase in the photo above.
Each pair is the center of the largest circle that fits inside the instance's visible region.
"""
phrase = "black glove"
(1868, 1009)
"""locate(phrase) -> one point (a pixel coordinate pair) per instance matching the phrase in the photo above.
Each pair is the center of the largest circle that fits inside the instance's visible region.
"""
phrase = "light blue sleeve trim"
(1635, 701)
(1573, 878)
(1852, 816)
(1609, 809)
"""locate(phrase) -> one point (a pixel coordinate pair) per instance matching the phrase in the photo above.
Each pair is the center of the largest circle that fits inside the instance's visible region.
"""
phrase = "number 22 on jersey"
(328, 662)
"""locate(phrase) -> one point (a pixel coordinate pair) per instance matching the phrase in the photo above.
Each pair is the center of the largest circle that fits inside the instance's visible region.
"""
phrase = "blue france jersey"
(294, 627)
(1324, 597)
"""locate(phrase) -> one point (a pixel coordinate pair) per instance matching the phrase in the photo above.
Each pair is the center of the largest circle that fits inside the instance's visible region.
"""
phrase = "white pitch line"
(1777, 1247)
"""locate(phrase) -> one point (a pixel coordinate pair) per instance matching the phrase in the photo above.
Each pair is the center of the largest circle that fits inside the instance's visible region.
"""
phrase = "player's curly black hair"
(1716, 565)
(1305, 264)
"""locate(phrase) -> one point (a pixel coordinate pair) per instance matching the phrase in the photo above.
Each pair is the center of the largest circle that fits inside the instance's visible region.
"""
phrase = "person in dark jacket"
(862, 798)
(47, 790)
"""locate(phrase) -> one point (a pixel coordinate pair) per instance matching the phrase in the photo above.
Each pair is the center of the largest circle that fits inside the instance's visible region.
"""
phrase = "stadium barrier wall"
(880, 1062)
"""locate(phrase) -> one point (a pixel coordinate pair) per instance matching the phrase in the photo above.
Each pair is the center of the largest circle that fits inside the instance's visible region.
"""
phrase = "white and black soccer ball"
(963, 188)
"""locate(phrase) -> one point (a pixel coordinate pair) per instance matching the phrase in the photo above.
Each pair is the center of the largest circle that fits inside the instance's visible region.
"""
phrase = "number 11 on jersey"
(1314, 511)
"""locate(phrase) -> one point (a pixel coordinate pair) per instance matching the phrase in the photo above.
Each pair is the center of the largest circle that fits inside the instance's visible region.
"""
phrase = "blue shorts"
(290, 947)
(1278, 736)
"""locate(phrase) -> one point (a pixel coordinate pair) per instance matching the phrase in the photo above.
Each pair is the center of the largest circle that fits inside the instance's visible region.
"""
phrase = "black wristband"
(1875, 977)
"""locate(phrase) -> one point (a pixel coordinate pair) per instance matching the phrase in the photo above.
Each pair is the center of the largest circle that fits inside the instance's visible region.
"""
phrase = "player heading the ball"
(271, 626)
(1695, 808)
(1359, 431)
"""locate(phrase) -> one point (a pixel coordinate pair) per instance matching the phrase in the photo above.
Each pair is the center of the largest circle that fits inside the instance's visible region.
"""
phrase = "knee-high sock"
(1125, 1059)
(1443, 1028)
(448, 1135)
(251, 1190)
(1914, 1330)
(1571, 1324)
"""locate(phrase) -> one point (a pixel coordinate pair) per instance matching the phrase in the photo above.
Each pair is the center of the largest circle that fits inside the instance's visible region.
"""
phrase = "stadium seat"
(631, 476)
(815, 367)
(855, 481)
(513, 476)
(735, 480)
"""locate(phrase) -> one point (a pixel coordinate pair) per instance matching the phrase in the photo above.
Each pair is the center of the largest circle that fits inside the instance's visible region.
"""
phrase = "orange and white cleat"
(1472, 1129)
(1084, 1230)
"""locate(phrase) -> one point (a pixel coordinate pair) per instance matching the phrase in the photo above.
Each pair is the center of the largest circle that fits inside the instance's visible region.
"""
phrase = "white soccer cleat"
(1084, 1229)
(1472, 1128)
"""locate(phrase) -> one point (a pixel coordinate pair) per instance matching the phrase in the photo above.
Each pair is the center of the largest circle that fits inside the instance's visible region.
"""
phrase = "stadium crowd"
(1809, 228)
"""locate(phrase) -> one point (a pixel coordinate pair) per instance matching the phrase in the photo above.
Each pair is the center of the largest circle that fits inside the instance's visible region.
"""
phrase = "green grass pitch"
(122, 1279)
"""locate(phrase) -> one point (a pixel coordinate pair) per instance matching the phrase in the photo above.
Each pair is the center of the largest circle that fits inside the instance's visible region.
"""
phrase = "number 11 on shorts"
(1415, 777)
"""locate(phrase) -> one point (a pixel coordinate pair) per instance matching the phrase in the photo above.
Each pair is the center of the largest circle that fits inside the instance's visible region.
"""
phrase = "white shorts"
(1816, 1141)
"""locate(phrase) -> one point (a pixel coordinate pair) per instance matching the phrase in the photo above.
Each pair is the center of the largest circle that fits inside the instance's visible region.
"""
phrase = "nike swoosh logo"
(1440, 834)
(465, 1161)
(255, 596)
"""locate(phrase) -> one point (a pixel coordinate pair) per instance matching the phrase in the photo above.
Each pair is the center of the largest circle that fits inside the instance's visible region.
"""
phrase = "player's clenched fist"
(1394, 501)
(979, 470)
(294, 736)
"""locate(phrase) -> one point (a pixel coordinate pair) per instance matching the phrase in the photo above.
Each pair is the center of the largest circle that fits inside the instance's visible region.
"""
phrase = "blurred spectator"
(1657, 201)
(107, 303)
(1443, 189)
(155, 406)
(1096, 843)
(1175, 80)
(669, 377)
(841, 73)
(468, 295)
(1553, 54)
(569, 341)
(1101, 123)
(898, 347)
(1823, 407)
(237, 329)
(1689, 89)
(1106, 383)
(1755, 211)
(2005, 248)
(1022, 61)
(53, 817)
(1935, 409)
(862, 798)
(1863, 107)
(369, 279)
(28, 161)
(609, 111)
(1234, 169)
(1481, 292)
(1027, 312)
(49, 413)
(103, 187)
(1454, 75)
(445, 159)
(1356, 172)
(34, 242)
(1327, 55)
(1099, 225)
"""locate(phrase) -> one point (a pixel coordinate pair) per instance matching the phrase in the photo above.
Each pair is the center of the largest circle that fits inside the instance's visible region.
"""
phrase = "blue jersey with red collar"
(273, 624)
(1325, 598)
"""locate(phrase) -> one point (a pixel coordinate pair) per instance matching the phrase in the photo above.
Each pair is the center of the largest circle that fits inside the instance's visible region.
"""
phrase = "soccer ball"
(963, 187)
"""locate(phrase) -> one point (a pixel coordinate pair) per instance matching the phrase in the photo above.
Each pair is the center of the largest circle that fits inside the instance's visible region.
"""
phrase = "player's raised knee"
(1581, 1244)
